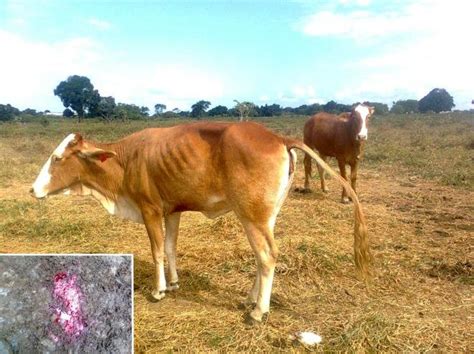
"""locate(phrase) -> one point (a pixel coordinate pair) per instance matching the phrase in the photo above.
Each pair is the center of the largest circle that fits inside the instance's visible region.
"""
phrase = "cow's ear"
(93, 153)
(371, 110)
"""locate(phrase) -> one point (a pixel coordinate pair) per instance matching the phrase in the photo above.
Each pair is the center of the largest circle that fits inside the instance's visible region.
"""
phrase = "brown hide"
(181, 168)
(334, 136)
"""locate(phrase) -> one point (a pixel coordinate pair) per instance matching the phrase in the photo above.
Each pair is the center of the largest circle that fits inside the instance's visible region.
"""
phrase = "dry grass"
(420, 228)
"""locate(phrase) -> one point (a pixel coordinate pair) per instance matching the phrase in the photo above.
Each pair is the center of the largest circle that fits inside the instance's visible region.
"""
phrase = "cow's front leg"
(342, 169)
(153, 220)
(172, 228)
(354, 167)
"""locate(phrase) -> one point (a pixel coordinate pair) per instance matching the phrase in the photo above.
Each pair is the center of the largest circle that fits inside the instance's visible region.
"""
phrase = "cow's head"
(67, 165)
(361, 113)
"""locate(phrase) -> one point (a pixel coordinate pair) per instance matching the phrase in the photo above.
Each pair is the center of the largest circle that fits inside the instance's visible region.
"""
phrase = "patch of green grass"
(429, 146)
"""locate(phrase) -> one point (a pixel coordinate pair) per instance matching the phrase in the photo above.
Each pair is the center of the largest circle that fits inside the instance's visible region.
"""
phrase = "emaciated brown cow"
(341, 136)
(213, 168)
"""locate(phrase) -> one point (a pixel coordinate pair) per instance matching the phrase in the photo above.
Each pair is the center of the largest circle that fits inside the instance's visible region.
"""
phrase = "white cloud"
(299, 94)
(99, 24)
(356, 2)
(176, 85)
(416, 17)
(423, 45)
(32, 69)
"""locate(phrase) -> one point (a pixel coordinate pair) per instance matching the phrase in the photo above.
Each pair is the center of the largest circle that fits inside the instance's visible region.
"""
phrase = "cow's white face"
(66, 166)
(41, 186)
(363, 113)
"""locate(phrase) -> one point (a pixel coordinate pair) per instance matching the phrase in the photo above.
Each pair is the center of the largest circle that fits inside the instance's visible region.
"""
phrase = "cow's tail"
(307, 165)
(362, 255)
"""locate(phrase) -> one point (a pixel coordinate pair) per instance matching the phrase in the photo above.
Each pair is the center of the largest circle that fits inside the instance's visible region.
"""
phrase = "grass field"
(416, 185)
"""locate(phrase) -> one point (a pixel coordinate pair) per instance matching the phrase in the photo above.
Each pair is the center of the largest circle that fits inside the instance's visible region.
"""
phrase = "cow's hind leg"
(263, 245)
(153, 221)
(172, 228)
(354, 168)
(307, 172)
(322, 173)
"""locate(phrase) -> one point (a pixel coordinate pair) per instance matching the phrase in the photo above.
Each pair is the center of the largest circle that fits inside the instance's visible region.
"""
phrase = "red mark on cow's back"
(68, 313)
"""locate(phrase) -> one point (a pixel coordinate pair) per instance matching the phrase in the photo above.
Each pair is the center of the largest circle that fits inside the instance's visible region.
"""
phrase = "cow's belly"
(216, 206)
(212, 206)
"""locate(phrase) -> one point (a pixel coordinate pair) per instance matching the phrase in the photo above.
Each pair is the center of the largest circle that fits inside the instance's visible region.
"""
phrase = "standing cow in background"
(342, 137)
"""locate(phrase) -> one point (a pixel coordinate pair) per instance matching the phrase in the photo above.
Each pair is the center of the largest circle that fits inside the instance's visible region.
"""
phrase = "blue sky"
(291, 53)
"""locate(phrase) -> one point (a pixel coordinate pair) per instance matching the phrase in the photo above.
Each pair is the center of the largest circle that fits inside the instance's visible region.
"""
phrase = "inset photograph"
(66, 303)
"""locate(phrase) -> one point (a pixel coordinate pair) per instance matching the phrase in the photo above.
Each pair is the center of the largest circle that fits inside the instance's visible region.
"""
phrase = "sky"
(263, 51)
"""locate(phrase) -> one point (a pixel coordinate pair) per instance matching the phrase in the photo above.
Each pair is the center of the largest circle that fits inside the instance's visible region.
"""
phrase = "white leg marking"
(253, 293)
(161, 267)
(160, 281)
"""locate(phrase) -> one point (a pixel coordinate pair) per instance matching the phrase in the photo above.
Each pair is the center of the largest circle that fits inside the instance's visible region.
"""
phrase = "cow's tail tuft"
(362, 256)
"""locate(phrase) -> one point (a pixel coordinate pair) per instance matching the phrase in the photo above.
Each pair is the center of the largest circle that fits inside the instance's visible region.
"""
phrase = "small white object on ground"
(307, 338)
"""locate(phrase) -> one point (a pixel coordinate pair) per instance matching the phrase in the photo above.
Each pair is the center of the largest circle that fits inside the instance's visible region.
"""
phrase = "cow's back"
(189, 166)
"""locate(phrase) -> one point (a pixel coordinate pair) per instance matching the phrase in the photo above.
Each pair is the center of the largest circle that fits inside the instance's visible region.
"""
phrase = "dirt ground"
(420, 298)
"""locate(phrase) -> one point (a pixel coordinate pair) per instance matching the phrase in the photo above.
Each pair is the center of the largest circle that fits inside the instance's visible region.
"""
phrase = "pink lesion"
(69, 316)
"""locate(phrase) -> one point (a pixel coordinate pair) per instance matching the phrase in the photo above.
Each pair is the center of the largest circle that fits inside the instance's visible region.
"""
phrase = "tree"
(126, 112)
(380, 108)
(30, 112)
(199, 108)
(159, 108)
(68, 113)
(245, 109)
(437, 100)
(270, 110)
(404, 106)
(106, 108)
(8, 112)
(218, 111)
(170, 114)
(334, 107)
(78, 93)
(144, 111)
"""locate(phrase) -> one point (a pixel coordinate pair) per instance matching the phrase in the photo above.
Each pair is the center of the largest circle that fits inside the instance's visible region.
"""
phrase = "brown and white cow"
(341, 136)
(213, 168)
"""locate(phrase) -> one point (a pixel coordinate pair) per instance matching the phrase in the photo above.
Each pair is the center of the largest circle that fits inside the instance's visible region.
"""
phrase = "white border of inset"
(93, 255)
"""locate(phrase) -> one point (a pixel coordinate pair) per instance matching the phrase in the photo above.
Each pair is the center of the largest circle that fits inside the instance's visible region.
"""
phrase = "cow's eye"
(55, 158)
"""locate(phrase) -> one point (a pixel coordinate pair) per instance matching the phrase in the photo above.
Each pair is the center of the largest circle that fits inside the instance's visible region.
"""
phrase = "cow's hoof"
(302, 190)
(172, 286)
(157, 296)
(251, 319)
(326, 190)
(345, 200)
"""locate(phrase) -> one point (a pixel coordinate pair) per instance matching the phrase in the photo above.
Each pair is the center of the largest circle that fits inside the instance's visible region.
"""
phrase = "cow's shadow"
(194, 287)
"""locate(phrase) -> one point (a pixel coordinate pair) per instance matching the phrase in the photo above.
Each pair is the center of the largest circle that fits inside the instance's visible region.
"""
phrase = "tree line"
(82, 100)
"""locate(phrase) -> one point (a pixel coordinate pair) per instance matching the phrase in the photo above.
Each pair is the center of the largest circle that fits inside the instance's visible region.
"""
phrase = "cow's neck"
(106, 177)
